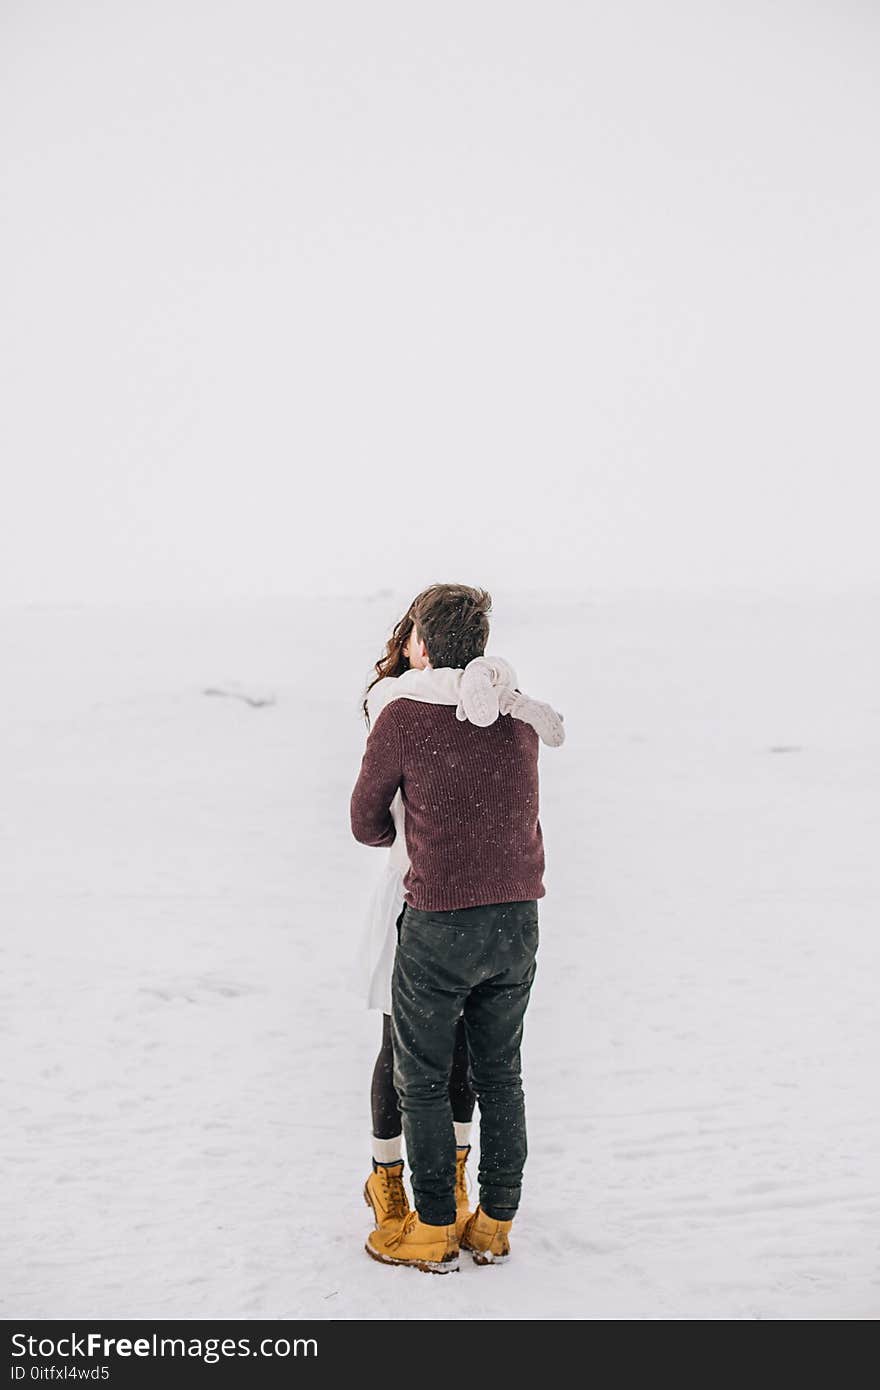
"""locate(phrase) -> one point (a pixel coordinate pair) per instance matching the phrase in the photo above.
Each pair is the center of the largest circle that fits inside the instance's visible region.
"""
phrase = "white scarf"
(480, 691)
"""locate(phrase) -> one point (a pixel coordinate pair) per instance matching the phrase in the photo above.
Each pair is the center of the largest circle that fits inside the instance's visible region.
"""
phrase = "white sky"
(344, 296)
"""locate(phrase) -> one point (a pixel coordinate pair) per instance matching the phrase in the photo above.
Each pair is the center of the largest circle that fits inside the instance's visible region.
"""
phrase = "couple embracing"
(449, 782)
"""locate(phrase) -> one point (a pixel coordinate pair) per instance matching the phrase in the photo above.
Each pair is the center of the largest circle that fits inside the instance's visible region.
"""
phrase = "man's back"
(470, 798)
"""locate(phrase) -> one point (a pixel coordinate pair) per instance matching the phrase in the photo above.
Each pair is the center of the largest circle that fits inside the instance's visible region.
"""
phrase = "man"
(467, 935)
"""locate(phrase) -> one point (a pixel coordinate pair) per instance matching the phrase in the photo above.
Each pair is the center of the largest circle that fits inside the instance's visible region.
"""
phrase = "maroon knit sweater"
(470, 798)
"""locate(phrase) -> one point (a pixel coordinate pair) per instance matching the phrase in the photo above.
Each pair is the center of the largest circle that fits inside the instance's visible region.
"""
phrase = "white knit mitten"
(482, 682)
(488, 688)
(544, 719)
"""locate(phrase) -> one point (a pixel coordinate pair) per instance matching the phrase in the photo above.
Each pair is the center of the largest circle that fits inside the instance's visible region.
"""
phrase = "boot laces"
(394, 1193)
(462, 1182)
(409, 1222)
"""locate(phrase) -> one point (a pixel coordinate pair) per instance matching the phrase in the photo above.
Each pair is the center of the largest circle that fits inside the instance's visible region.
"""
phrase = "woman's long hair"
(392, 662)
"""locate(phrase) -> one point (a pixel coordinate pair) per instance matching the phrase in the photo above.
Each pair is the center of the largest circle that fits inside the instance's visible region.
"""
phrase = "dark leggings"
(386, 1111)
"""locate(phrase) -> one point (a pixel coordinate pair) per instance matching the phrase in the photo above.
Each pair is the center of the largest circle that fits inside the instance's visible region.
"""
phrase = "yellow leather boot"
(385, 1193)
(462, 1204)
(432, 1249)
(486, 1239)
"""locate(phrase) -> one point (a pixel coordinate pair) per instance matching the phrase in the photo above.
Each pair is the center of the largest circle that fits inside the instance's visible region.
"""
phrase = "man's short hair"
(453, 623)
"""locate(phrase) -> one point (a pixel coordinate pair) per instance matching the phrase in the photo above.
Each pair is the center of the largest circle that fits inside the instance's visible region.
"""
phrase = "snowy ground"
(185, 1087)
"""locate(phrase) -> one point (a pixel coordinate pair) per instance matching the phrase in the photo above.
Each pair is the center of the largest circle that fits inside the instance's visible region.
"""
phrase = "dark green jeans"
(479, 960)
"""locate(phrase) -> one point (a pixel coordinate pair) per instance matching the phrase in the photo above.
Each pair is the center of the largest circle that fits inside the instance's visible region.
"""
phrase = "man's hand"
(371, 820)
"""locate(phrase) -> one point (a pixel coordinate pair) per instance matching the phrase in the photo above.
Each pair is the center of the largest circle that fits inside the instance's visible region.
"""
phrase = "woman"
(384, 1190)
(481, 691)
